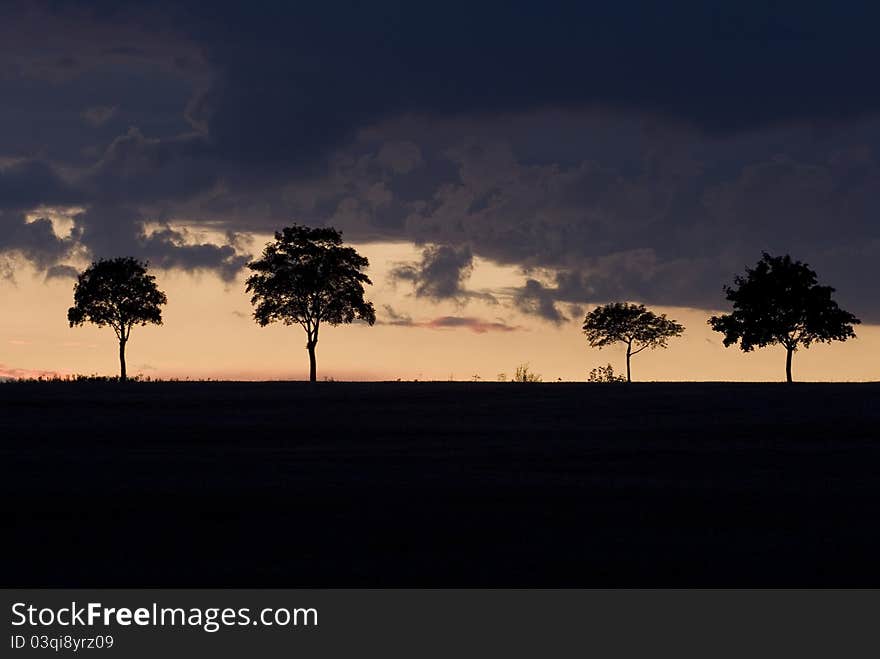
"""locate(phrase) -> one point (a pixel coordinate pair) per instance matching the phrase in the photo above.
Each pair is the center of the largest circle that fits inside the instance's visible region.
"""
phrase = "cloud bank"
(621, 151)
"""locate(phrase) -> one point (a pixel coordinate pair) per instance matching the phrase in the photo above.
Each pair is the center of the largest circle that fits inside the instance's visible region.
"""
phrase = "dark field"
(407, 484)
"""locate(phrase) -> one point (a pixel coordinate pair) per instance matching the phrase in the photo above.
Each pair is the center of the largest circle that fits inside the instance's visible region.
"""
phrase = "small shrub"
(523, 374)
(605, 374)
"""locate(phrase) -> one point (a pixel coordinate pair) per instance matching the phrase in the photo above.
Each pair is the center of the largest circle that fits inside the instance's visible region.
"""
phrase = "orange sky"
(208, 333)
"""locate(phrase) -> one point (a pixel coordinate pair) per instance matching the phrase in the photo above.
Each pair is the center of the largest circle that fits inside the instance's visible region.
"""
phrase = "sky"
(504, 166)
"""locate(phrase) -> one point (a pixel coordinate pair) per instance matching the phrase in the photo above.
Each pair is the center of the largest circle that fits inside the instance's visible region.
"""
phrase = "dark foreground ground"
(399, 484)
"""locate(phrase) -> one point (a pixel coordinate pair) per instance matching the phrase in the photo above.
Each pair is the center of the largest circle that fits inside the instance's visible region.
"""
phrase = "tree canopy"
(308, 278)
(780, 301)
(631, 324)
(120, 293)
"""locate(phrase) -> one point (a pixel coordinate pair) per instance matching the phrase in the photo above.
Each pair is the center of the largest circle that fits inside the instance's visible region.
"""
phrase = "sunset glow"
(208, 332)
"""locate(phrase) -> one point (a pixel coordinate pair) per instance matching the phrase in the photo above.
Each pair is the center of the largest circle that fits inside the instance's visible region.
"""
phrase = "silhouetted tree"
(306, 277)
(119, 293)
(780, 301)
(630, 324)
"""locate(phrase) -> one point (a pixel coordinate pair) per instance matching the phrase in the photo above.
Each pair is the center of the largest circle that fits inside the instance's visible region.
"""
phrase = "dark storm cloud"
(62, 272)
(533, 298)
(441, 274)
(35, 240)
(71, 81)
(296, 79)
(135, 168)
(670, 220)
(290, 80)
(28, 183)
(108, 230)
(132, 180)
(99, 115)
(632, 150)
(170, 249)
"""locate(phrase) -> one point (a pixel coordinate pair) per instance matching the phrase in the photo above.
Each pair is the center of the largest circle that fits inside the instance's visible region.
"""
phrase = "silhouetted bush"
(523, 374)
(605, 374)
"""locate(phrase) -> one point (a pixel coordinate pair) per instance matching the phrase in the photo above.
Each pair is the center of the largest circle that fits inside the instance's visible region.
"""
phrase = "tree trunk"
(313, 365)
(122, 375)
(789, 352)
(628, 354)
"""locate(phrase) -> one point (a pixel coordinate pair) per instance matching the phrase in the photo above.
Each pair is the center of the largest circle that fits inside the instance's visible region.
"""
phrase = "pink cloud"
(477, 325)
